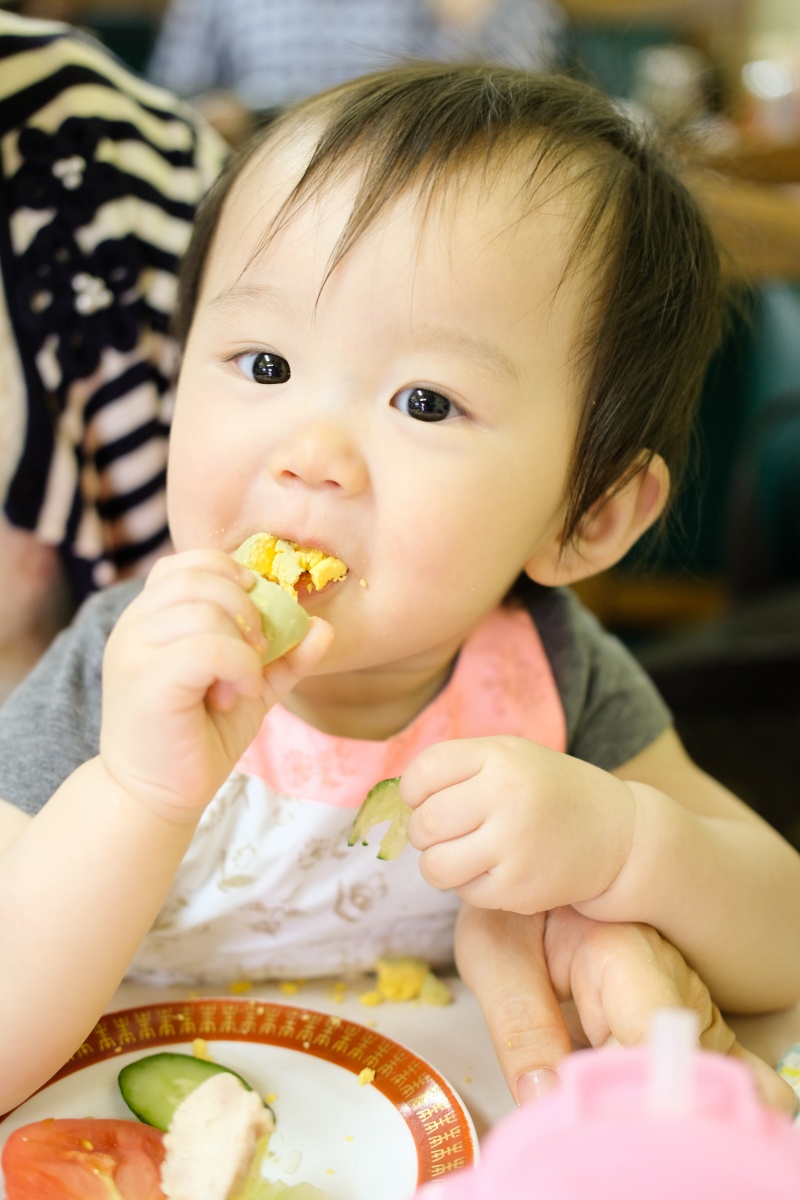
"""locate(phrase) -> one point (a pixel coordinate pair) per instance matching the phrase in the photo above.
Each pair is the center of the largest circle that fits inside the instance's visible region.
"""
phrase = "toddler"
(448, 324)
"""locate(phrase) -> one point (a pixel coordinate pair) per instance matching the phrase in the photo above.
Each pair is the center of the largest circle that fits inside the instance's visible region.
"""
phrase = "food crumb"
(467, 1079)
(348, 1137)
(336, 1022)
(362, 583)
(306, 1045)
(290, 987)
(410, 979)
(86, 1144)
(270, 1098)
(200, 1049)
(240, 986)
(329, 1171)
(365, 1076)
(435, 991)
(371, 999)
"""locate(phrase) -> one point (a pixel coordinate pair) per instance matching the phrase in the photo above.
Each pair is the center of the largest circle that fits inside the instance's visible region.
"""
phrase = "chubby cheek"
(198, 493)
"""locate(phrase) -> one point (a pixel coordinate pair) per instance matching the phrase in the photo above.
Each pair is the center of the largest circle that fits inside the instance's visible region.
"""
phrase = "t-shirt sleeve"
(613, 710)
(50, 724)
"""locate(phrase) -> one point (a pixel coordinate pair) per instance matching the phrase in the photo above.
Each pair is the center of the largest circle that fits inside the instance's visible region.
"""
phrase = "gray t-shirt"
(51, 723)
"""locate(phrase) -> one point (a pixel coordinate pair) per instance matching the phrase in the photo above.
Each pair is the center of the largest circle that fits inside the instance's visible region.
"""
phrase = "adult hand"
(548, 980)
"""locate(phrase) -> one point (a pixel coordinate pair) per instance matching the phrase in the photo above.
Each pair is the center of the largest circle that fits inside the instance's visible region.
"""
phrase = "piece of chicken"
(212, 1140)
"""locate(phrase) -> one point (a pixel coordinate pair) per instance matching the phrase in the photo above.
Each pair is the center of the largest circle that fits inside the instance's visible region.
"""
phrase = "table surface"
(453, 1039)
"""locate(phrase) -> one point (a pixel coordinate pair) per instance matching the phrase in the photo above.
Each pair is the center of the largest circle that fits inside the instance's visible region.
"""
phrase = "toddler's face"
(414, 417)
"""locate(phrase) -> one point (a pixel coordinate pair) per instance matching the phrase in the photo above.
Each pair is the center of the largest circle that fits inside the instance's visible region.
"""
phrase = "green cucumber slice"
(153, 1087)
(383, 803)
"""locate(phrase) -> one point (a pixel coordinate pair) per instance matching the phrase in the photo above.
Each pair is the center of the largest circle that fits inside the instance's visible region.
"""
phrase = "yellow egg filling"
(289, 565)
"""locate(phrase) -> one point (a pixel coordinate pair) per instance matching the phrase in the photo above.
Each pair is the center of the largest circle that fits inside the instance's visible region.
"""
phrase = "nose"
(322, 455)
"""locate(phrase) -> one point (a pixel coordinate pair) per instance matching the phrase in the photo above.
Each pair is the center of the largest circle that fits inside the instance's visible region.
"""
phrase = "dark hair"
(654, 314)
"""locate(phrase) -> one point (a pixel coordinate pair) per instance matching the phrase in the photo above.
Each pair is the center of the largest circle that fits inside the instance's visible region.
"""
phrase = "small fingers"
(457, 864)
(212, 561)
(446, 815)
(181, 584)
(441, 766)
(281, 675)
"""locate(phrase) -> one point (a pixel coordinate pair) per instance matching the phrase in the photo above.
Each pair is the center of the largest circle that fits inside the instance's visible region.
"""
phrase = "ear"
(607, 532)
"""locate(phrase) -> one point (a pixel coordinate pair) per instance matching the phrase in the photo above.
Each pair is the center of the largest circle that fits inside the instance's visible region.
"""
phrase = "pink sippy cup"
(665, 1122)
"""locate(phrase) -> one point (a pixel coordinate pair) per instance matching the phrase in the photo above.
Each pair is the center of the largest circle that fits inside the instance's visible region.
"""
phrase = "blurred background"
(711, 604)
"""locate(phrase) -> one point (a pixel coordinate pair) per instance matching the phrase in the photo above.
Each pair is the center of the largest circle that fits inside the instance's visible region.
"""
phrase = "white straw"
(674, 1034)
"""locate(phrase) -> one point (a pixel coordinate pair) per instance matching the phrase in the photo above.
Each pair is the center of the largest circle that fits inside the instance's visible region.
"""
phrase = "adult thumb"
(500, 956)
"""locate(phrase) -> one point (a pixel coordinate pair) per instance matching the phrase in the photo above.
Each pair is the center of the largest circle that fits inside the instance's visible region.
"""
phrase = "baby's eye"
(424, 404)
(264, 367)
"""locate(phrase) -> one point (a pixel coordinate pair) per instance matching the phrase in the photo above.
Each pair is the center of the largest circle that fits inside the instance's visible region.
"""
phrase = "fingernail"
(535, 1084)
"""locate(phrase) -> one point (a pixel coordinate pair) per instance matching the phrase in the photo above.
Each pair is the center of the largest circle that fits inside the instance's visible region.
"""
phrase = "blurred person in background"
(238, 58)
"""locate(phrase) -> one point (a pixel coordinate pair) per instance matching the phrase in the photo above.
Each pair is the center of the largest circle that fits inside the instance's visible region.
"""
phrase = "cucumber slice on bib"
(383, 803)
(153, 1087)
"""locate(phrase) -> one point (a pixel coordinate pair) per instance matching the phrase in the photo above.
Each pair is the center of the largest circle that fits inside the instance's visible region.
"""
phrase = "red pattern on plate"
(436, 1119)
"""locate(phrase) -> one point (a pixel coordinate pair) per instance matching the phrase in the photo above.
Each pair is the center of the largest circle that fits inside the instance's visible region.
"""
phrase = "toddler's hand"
(184, 692)
(507, 823)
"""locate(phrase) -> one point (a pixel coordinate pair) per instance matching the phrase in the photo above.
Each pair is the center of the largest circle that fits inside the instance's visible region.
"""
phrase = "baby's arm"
(81, 883)
(512, 825)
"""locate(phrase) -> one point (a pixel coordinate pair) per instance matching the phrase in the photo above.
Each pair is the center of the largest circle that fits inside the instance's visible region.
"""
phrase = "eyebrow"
(263, 295)
(479, 349)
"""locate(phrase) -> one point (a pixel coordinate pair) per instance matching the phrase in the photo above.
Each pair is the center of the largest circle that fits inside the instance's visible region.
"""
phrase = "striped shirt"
(100, 175)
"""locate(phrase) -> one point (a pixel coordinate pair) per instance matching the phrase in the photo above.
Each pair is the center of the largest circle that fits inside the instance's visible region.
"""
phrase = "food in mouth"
(281, 567)
(290, 566)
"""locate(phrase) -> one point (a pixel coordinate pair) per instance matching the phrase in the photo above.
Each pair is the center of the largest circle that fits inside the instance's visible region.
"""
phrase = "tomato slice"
(87, 1159)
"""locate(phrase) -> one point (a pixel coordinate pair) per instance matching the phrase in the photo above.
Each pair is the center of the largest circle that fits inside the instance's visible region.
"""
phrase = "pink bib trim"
(502, 684)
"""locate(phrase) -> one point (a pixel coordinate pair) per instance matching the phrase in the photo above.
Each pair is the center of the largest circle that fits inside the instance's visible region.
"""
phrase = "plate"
(354, 1141)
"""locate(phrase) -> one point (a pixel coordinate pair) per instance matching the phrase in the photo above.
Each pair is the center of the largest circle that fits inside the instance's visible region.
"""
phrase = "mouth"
(294, 568)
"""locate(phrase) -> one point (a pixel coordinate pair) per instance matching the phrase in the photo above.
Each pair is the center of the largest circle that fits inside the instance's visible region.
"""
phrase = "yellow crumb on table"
(270, 1098)
(365, 1076)
(240, 986)
(200, 1049)
(408, 978)
(348, 1137)
(435, 991)
(371, 999)
(290, 987)
(400, 978)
